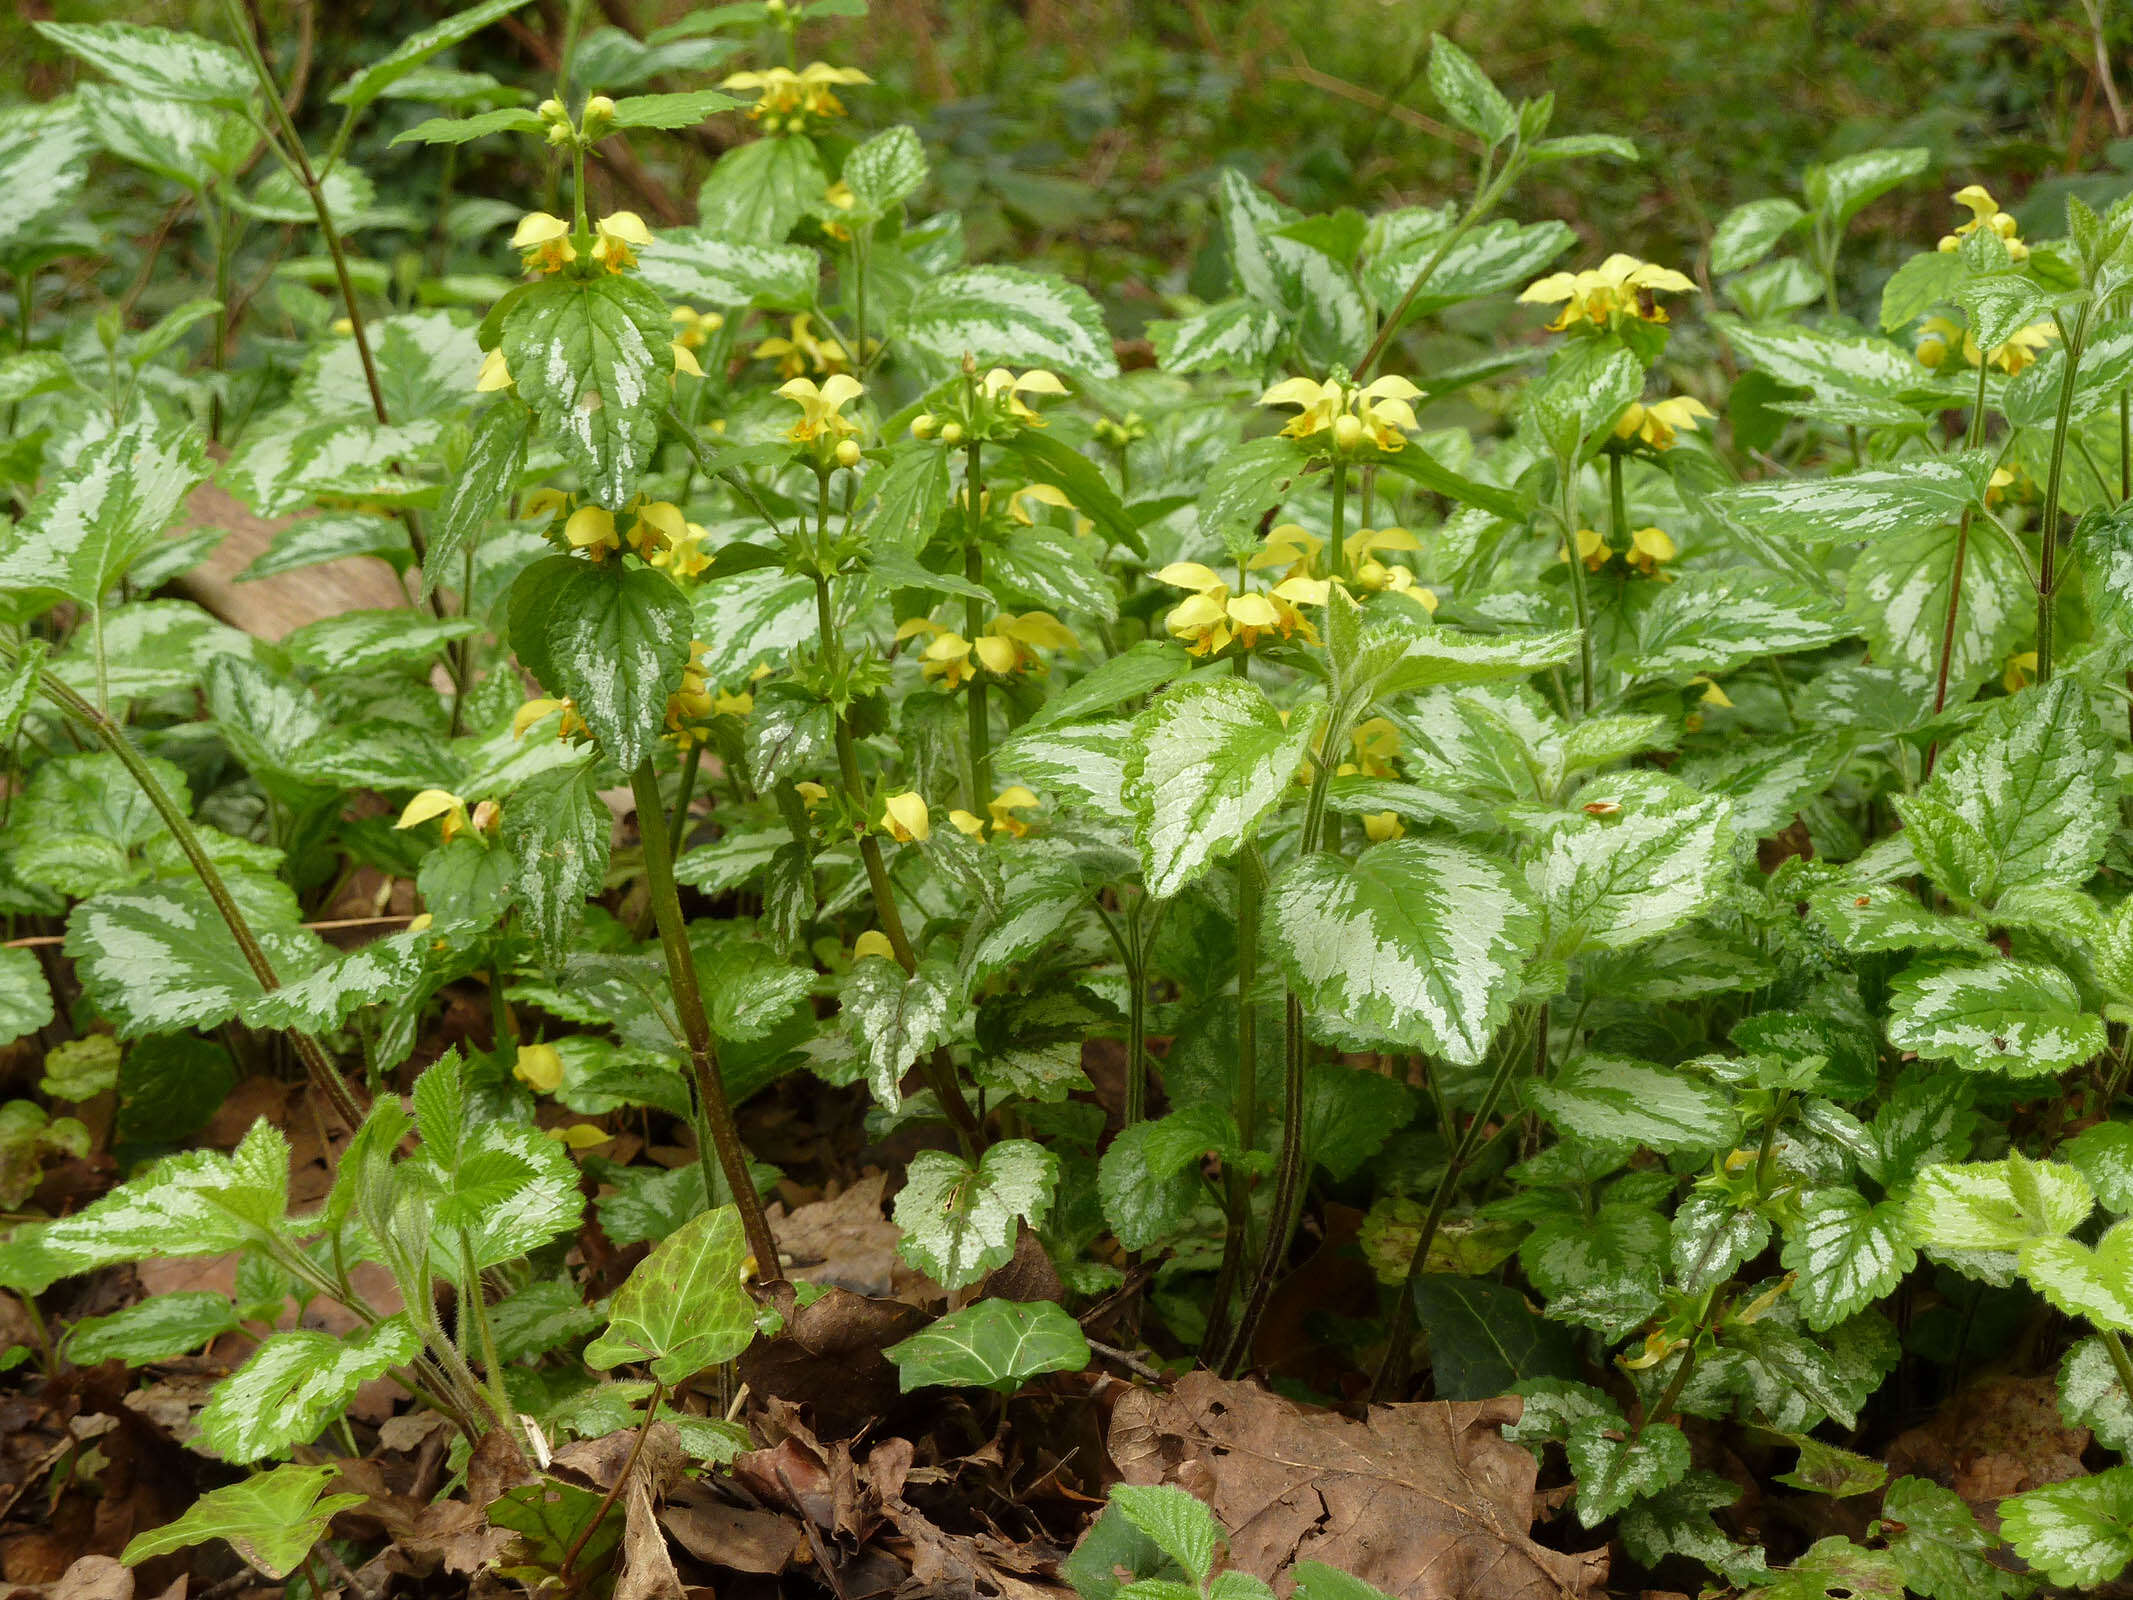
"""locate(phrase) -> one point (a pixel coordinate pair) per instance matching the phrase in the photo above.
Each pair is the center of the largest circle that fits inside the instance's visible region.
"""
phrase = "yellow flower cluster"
(1376, 411)
(657, 531)
(1003, 807)
(1938, 335)
(691, 707)
(1657, 424)
(433, 803)
(1008, 645)
(1619, 288)
(534, 710)
(1985, 213)
(1211, 618)
(801, 350)
(545, 244)
(822, 407)
(1649, 550)
(787, 101)
(1291, 547)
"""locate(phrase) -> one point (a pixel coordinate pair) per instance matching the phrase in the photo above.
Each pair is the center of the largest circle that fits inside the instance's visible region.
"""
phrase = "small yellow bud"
(873, 943)
(925, 425)
(601, 107)
(552, 110)
(848, 452)
(1347, 432)
(539, 1066)
(420, 924)
(952, 433)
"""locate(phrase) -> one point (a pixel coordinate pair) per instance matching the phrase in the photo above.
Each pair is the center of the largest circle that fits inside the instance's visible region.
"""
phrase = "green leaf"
(155, 1329)
(1866, 918)
(1613, 1469)
(1844, 187)
(2096, 1283)
(1180, 1525)
(2092, 1396)
(886, 170)
(2018, 1017)
(487, 478)
(1835, 1567)
(1050, 460)
(1235, 335)
(760, 189)
(2103, 1154)
(2078, 1533)
(1847, 1253)
(1607, 1098)
(1489, 259)
(371, 81)
(559, 832)
(1137, 671)
(611, 638)
(671, 111)
(372, 641)
(1996, 1205)
(1602, 1270)
(1007, 315)
(1928, 279)
(1483, 1339)
(1417, 943)
(1746, 233)
(158, 64)
(1441, 657)
(592, 357)
(459, 130)
(1203, 765)
(1112, 1556)
(1897, 594)
(1875, 503)
(202, 1203)
(959, 1222)
(686, 1307)
(1828, 363)
(1149, 1177)
(1466, 94)
(894, 1019)
(160, 959)
(700, 266)
(296, 1383)
(170, 1086)
(1300, 285)
(1314, 1580)
(991, 1344)
(1617, 879)
(1939, 1547)
(1712, 623)
(25, 996)
(273, 1519)
(106, 507)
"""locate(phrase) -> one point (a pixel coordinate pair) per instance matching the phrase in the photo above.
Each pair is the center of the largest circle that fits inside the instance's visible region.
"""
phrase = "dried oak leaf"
(1427, 1501)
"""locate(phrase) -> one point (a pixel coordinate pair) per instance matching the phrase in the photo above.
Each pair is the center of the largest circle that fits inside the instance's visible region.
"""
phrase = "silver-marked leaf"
(202, 1203)
(758, 190)
(273, 1519)
(1203, 764)
(1415, 943)
(2095, 1283)
(1617, 878)
(1877, 503)
(1868, 917)
(391, 968)
(1303, 286)
(1442, 656)
(1746, 233)
(592, 357)
(685, 1307)
(1236, 335)
(2078, 1533)
(991, 1344)
(709, 269)
(1847, 1253)
(2018, 1017)
(371, 81)
(285, 463)
(893, 1019)
(1713, 622)
(1607, 1098)
(155, 1329)
(157, 63)
(25, 996)
(372, 641)
(1996, 1205)
(106, 506)
(959, 1221)
(559, 833)
(1828, 363)
(1149, 1177)
(1009, 315)
(1939, 1547)
(1083, 763)
(487, 479)
(160, 958)
(1897, 594)
(1842, 188)
(886, 169)
(2103, 1154)
(296, 1383)
(1612, 1469)
(610, 638)
(2093, 1396)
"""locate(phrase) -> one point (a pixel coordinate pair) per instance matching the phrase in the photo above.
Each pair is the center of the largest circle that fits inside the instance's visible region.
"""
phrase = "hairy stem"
(2048, 529)
(973, 625)
(1972, 435)
(1490, 191)
(1244, 1105)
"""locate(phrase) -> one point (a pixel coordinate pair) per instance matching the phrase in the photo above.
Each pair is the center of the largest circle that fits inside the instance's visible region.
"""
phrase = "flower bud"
(599, 114)
(952, 433)
(1347, 432)
(925, 425)
(847, 452)
(551, 110)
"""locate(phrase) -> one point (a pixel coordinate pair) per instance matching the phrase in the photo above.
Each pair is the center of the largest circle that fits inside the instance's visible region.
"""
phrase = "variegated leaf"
(296, 1383)
(1009, 315)
(1607, 1098)
(959, 1222)
(1614, 878)
(1847, 1253)
(2018, 1017)
(1877, 503)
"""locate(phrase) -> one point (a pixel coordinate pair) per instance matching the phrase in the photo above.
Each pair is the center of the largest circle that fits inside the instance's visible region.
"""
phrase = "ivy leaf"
(686, 1307)
(592, 357)
(991, 1344)
(559, 833)
(958, 1221)
(1612, 1469)
(1938, 1546)
(1847, 1253)
(1010, 316)
(295, 1383)
(155, 1329)
(1203, 765)
(611, 638)
(1415, 942)
(895, 1019)
(273, 1519)
(2018, 1017)
(2078, 1533)
(1605, 1097)
(1620, 877)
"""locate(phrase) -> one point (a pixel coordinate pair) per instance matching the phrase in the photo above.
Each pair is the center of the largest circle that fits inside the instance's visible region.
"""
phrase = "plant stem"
(1392, 1369)
(1244, 1104)
(1485, 199)
(1336, 555)
(973, 624)
(696, 1026)
(2048, 534)
(472, 1308)
(692, 758)
(615, 1489)
(2114, 1343)
(1617, 501)
(1665, 1407)
(313, 1055)
(1580, 601)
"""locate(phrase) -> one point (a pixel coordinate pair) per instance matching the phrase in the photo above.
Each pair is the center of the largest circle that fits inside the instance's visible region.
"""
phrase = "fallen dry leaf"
(829, 1359)
(845, 1242)
(647, 1569)
(1427, 1501)
(955, 1566)
(1997, 1437)
(734, 1537)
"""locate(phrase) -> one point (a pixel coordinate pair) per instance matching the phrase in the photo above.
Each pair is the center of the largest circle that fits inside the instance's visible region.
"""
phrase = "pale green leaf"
(295, 1384)
(991, 1344)
(685, 1307)
(1011, 316)
(273, 1519)
(2078, 1533)
(958, 1221)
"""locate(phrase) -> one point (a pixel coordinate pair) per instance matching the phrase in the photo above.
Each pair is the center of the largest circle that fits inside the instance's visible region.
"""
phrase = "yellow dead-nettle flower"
(657, 524)
(1938, 335)
(1003, 807)
(873, 943)
(811, 794)
(683, 554)
(1592, 549)
(494, 374)
(803, 351)
(579, 1136)
(905, 819)
(821, 408)
(1040, 494)
(1377, 576)
(1382, 825)
(1649, 550)
(617, 237)
(685, 360)
(784, 95)
(1619, 288)
(693, 704)
(543, 242)
(696, 326)
(433, 803)
(838, 197)
(534, 710)
(545, 504)
(1009, 644)
(1211, 617)
(1376, 411)
(1657, 423)
(539, 1066)
(592, 529)
(1005, 390)
(1712, 694)
(2021, 671)
(1290, 548)
(1985, 213)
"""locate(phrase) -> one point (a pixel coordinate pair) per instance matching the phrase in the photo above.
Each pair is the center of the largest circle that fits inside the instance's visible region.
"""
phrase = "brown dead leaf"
(956, 1566)
(1029, 1276)
(1427, 1501)
(734, 1537)
(1997, 1437)
(829, 1359)
(845, 1242)
(647, 1569)
(94, 1578)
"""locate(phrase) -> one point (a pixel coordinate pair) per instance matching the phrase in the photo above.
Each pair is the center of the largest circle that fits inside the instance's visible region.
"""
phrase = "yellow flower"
(659, 524)
(685, 360)
(1003, 807)
(1003, 388)
(539, 1066)
(1291, 547)
(546, 504)
(803, 352)
(1937, 335)
(433, 803)
(784, 94)
(811, 794)
(420, 924)
(543, 242)
(905, 818)
(1379, 410)
(1649, 549)
(733, 705)
(1619, 287)
(967, 822)
(873, 943)
(820, 408)
(696, 326)
(617, 238)
(2003, 479)
(494, 374)
(1043, 494)
(1383, 825)
(1592, 550)
(1657, 423)
(534, 710)
(2021, 671)
(1712, 694)
(1009, 644)
(579, 1136)
(1211, 617)
(683, 554)
(693, 704)
(592, 529)
(1375, 576)
(1985, 213)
